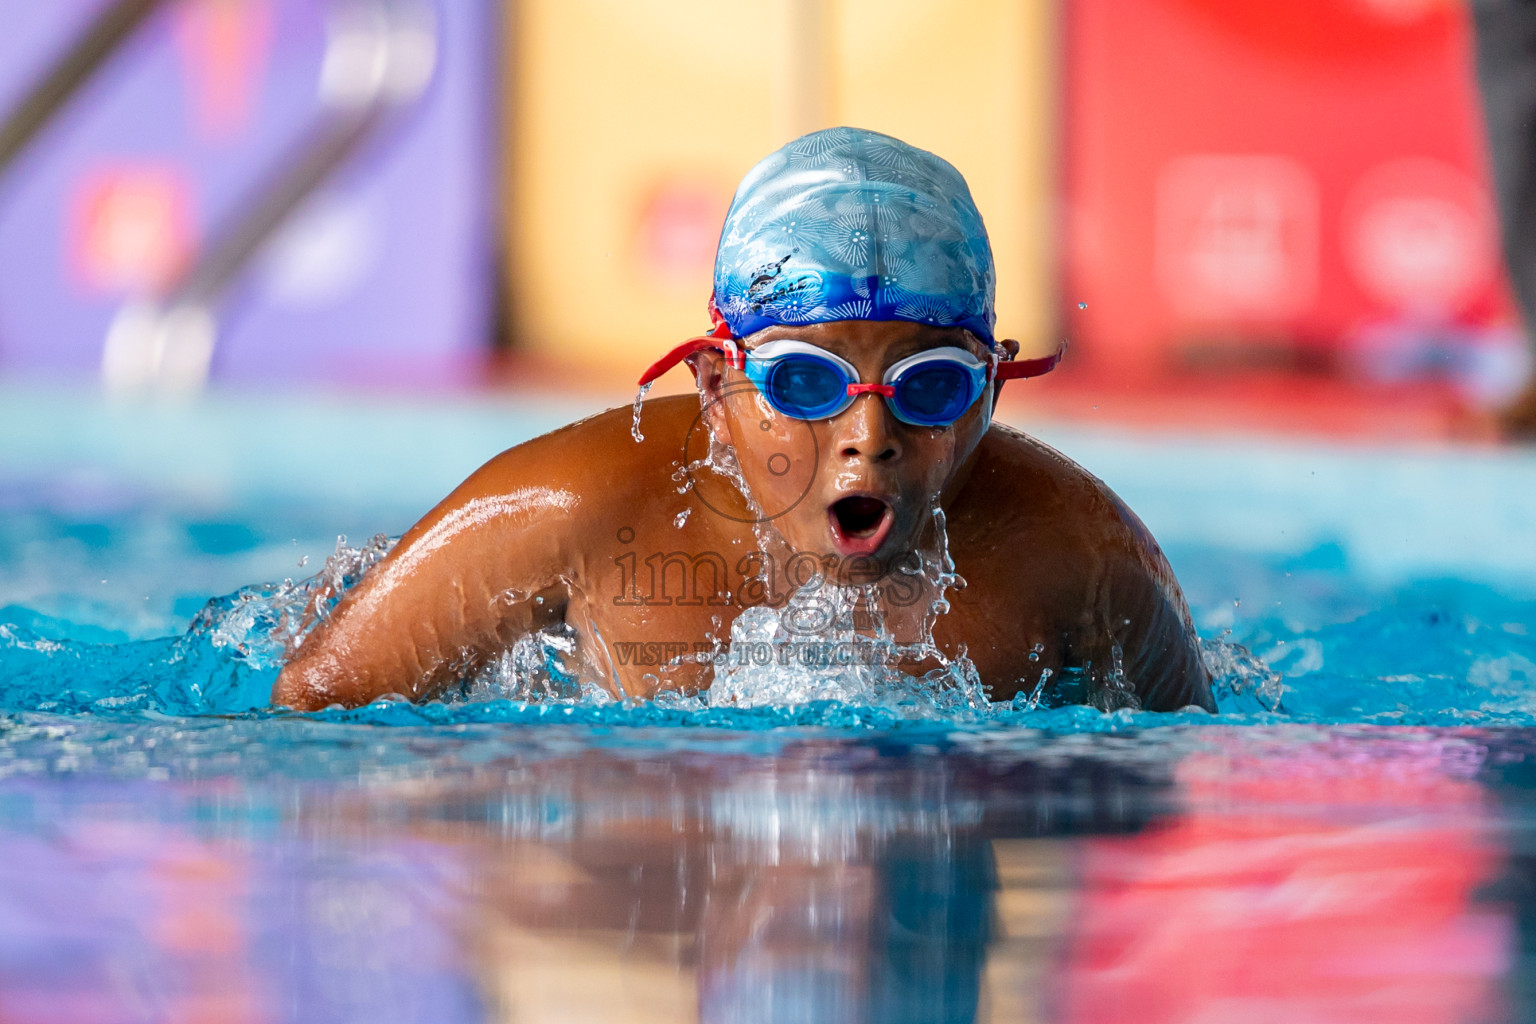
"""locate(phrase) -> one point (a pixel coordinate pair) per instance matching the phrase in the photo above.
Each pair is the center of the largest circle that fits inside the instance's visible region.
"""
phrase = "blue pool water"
(172, 847)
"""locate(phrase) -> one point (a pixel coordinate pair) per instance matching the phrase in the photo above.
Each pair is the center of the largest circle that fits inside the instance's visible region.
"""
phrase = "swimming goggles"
(933, 388)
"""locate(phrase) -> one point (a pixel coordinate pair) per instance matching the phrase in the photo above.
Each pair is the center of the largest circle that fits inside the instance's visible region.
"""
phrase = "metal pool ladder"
(379, 56)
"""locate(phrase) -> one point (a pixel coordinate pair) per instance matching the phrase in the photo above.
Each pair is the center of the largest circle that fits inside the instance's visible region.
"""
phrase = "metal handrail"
(380, 55)
(69, 73)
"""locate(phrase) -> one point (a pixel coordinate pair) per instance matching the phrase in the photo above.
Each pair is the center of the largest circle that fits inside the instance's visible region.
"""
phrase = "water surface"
(1358, 850)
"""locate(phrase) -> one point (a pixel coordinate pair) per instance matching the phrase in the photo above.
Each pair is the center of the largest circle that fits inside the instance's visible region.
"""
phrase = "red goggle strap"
(1016, 369)
(719, 339)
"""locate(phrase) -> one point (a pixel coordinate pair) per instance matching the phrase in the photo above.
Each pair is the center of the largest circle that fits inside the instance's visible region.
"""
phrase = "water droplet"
(1082, 305)
(303, 561)
(634, 428)
(681, 518)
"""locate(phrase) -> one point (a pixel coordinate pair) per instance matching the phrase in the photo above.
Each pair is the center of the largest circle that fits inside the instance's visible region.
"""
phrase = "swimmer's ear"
(709, 374)
(1005, 347)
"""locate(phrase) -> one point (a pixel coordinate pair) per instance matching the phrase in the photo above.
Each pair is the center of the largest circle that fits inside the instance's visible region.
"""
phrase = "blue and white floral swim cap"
(849, 224)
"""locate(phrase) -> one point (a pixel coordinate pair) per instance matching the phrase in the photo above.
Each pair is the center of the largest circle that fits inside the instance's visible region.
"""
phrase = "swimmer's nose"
(866, 430)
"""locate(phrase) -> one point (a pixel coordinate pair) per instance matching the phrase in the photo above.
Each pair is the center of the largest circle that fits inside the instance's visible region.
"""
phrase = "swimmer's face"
(856, 489)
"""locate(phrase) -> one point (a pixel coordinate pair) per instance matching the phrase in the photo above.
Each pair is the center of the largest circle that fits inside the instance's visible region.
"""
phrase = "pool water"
(1349, 839)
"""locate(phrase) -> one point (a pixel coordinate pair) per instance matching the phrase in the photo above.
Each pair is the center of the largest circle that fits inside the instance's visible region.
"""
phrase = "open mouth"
(860, 523)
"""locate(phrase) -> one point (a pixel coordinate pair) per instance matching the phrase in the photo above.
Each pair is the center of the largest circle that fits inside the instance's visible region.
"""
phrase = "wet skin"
(580, 526)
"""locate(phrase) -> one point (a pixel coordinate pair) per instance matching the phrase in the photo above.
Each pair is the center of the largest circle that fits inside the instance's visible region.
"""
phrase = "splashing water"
(719, 458)
(266, 623)
(807, 651)
(225, 663)
(539, 666)
(1427, 655)
(1240, 680)
(634, 427)
(813, 649)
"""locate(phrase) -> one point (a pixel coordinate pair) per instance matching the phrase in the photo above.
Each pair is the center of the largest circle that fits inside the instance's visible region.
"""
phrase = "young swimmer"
(842, 438)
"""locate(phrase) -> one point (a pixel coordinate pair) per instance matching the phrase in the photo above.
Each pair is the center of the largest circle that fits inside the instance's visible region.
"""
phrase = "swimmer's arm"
(1134, 632)
(1148, 620)
(482, 568)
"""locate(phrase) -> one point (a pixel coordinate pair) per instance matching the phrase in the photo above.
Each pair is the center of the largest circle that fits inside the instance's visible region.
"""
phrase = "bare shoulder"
(1030, 488)
(596, 463)
(1054, 538)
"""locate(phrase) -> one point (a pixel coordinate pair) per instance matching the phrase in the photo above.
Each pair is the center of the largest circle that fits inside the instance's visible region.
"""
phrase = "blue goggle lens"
(934, 394)
(805, 386)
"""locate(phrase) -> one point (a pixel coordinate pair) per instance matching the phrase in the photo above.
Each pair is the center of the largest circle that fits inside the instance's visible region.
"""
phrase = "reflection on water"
(830, 883)
(1323, 883)
(1199, 875)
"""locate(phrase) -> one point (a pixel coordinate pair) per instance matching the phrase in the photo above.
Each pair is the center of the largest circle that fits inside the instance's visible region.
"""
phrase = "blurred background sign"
(1247, 187)
(1193, 192)
(633, 122)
